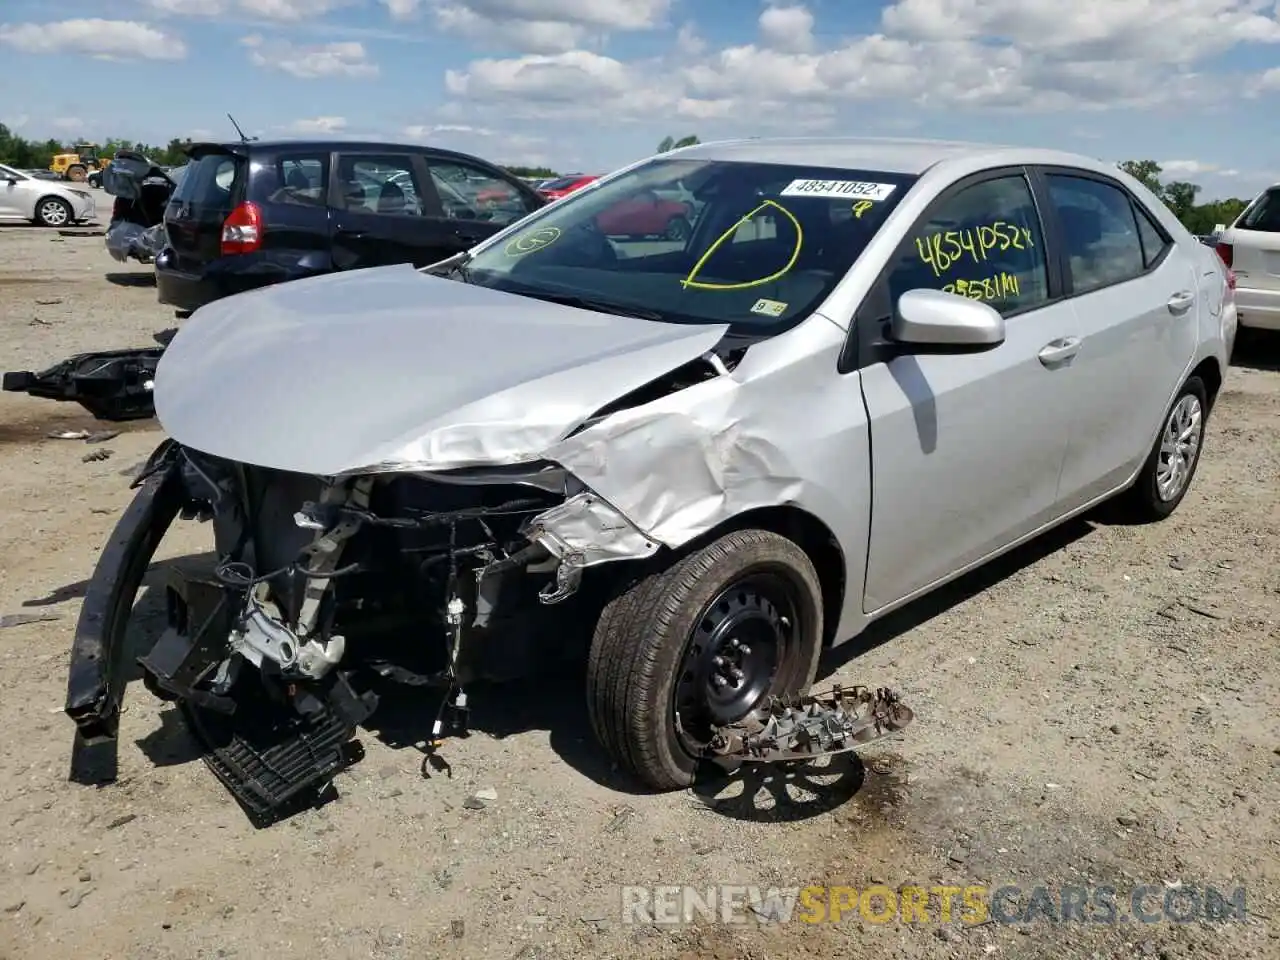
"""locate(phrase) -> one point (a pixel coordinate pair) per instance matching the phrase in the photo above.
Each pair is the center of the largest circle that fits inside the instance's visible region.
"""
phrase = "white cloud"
(538, 26)
(787, 28)
(286, 11)
(1173, 31)
(532, 36)
(347, 59)
(318, 126)
(1186, 168)
(573, 84)
(689, 42)
(424, 132)
(402, 9)
(102, 39)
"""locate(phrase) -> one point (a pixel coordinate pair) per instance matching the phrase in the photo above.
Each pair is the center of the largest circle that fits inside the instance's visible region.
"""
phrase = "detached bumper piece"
(114, 385)
(803, 728)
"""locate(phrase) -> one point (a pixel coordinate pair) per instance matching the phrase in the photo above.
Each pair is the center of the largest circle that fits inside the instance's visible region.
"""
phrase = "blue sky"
(588, 85)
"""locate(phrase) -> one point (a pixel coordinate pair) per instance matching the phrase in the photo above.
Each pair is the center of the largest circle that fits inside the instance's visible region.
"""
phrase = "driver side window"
(984, 243)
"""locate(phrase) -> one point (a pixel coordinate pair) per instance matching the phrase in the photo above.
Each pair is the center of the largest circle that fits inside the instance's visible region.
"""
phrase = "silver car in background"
(872, 366)
(45, 203)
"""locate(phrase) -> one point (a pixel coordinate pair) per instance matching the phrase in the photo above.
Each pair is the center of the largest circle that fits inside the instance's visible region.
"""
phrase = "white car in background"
(43, 202)
(1251, 248)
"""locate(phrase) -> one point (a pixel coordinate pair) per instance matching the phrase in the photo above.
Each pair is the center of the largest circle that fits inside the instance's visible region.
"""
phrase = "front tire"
(707, 638)
(1166, 476)
(54, 212)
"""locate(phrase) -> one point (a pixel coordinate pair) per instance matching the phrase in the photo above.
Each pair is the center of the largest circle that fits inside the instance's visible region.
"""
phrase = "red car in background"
(646, 215)
(566, 185)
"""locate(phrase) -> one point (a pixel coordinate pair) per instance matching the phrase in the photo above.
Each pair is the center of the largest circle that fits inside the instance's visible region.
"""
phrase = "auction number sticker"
(770, 308)
(839, 189)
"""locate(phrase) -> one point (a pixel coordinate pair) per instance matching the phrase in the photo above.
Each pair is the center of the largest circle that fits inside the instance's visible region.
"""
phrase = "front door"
(1135, 294)
(384, 212)
(476, 203)
(967, 447)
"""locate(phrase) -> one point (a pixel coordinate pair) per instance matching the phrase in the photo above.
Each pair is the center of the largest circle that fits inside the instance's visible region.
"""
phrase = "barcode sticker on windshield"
(838, 189)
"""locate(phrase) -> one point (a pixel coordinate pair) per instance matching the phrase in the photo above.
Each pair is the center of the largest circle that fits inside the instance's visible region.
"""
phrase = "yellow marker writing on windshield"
(689, 282)
(861, 207)
(533, 241)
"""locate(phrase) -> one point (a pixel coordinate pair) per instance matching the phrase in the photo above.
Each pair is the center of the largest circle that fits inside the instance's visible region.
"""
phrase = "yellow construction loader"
(81, 165)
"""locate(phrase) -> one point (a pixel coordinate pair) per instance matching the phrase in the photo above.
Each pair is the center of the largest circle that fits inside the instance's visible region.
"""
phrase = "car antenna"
(243, 138)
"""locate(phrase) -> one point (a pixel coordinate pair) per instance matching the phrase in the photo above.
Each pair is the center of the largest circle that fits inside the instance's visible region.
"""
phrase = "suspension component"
(805, 727)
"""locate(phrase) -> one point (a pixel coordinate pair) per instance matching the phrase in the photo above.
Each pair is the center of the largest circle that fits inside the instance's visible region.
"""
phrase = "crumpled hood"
(390, 369)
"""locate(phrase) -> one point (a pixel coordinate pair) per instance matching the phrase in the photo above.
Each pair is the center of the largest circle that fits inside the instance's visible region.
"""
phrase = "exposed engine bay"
(319, 587)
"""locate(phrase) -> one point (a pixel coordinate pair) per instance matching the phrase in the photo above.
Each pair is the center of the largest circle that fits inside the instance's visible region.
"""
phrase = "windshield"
(754, 245)
(10, 172)
(1264, 214)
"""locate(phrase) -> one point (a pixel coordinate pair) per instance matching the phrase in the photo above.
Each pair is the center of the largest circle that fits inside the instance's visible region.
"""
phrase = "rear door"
(292, 188)
(214, 184)
(385, 211)
(1255, 242)
(1136, 294)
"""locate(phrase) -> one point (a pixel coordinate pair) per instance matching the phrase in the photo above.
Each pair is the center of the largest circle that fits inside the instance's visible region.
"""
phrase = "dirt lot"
(1102, 708)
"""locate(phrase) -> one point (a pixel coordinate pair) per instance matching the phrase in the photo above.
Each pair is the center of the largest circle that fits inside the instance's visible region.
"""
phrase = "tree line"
(1179, 195)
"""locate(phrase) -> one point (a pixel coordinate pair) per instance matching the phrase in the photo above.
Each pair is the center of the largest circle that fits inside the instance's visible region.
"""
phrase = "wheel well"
(54, 196)
(1211, 374)
(815, 539)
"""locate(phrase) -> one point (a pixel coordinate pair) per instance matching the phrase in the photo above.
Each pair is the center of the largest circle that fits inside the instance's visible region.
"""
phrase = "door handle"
(353, 234)
(1059, 351)
(1181, 302)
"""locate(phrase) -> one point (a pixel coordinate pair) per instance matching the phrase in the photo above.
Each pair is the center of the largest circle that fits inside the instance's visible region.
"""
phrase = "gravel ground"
(1100, 708)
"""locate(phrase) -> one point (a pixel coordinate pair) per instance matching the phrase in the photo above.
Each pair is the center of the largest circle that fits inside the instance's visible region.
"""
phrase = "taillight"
(1225, 252)
(242, 231)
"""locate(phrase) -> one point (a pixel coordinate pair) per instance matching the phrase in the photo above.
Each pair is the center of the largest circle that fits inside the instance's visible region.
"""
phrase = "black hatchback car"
(249, 214)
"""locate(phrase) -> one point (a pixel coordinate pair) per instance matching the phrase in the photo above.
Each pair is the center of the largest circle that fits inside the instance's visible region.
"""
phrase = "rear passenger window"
(302, 179)
(381, 185)
(1264, 214)
(1099, 232)
(984, 243)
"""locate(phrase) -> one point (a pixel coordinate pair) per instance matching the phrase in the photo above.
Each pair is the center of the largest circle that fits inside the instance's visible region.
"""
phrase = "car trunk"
(214, 185)
(140, 187)
(1253, 244)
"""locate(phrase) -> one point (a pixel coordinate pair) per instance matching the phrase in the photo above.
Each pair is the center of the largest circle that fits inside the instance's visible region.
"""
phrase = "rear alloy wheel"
(53, 212)
(1171, 465)
(699, 645)
(678, 229)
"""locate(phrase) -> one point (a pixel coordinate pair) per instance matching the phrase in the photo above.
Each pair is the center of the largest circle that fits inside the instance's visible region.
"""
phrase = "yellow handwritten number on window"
(689, 282)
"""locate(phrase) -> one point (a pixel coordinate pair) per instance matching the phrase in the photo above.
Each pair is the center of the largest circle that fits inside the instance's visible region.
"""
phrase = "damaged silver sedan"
(866, 368)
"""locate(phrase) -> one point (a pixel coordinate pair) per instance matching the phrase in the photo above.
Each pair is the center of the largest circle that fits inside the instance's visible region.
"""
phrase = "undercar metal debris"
(805, 727)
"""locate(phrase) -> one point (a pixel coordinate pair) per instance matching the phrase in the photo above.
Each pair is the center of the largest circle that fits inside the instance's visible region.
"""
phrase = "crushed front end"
(319, 589)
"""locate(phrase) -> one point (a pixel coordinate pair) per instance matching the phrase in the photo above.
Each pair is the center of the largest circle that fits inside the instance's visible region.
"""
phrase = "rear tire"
(751, 599)
(54, 212)
(1171, 466)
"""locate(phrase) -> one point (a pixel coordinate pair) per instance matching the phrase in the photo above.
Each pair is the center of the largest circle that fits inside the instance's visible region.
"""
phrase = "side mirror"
(932, 318)
(10, 179)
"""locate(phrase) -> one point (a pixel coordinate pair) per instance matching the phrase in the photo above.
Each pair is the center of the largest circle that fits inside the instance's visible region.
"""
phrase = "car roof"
(272, 146)
(886, 154)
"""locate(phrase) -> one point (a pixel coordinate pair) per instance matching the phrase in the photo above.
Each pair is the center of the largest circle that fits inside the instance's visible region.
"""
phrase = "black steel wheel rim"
(734, 654)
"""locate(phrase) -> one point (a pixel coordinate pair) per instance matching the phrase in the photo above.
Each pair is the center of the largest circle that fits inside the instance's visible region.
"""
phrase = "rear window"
(1263, 214)
(210, 181)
